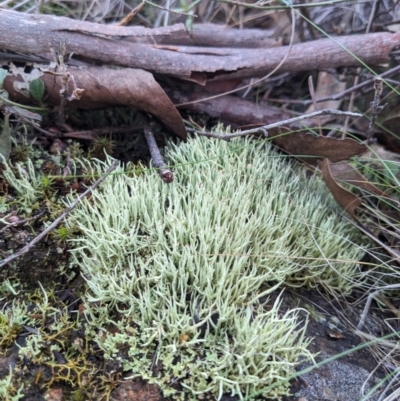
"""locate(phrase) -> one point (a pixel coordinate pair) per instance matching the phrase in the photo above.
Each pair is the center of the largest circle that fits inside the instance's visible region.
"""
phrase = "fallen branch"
(124, 46)
(57, 221)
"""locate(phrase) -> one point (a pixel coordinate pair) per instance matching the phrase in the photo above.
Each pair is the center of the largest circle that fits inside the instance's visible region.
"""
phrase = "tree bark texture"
(154, 49)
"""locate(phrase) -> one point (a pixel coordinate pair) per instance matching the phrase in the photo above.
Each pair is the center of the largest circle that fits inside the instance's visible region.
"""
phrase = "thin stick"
(170, 11)
(265, 5)
(265, 128)
(21, 222)
(312, 93)
(375, 108)
(128, 18)
(340, 95)
(366, 309)
(94, 133)
(57, 221)
(158, 162)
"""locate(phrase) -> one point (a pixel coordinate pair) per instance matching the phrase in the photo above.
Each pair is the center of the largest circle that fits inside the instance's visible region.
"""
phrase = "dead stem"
(265, 128)
(158, 162)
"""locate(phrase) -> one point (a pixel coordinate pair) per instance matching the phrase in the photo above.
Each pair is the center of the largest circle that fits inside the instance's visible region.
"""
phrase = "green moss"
(180, 270)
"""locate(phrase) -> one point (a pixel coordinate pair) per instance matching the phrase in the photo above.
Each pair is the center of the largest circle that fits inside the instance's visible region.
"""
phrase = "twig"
(351, 103)
(169, 10)
(128, 18)
(264, 5)
(94, 133)
(375, 107)
(21, 222)
(346, 92)
(264, 129)
(312, 93)
(59, 59)
(57, 221)
(366, 309)
(158, 162)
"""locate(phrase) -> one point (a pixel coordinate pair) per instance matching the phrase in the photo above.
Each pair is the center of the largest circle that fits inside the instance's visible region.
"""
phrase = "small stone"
(54, 394)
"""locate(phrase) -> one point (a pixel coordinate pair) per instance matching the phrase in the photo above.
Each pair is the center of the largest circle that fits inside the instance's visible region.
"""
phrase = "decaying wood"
(36, 34)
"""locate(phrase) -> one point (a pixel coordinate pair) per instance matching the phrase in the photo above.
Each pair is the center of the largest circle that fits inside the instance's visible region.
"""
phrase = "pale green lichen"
(29, 185)
(8, 392)
(184, 266)
(25, 182)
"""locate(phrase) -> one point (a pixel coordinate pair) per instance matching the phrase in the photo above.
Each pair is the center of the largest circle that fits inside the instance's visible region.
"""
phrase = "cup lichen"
(180, 271)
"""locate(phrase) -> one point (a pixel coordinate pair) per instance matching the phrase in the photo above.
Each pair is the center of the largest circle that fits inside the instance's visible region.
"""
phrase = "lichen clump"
(182, 271)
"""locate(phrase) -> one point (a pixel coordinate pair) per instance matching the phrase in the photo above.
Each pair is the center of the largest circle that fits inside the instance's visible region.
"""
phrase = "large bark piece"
(36, 34)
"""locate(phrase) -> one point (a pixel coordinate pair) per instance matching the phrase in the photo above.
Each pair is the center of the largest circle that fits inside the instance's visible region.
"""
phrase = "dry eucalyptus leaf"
(347, 173)
(336, 150)
(105, 87)
(347, 200)
(120, 87)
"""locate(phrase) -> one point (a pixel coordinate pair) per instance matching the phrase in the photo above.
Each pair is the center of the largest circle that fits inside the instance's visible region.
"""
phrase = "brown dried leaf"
(300, 144)
(105, 87)
(347, 173)
(347, 200)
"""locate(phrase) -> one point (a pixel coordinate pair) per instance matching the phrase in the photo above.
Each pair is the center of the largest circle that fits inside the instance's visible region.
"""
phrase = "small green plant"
(101, 146)
(36, 90)
(46, 184)
(21, 152)
(63, 233)
(76, 150)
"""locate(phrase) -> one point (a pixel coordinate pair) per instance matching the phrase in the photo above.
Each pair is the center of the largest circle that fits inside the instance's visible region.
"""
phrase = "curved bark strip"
(36, 34)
